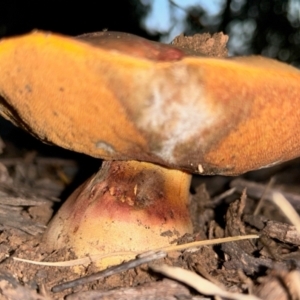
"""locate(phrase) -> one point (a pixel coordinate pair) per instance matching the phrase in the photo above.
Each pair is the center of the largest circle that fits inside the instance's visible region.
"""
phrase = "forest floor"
(32, 184)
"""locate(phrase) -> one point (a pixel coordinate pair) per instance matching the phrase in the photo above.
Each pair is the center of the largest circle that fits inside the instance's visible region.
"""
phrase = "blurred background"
(267, 27)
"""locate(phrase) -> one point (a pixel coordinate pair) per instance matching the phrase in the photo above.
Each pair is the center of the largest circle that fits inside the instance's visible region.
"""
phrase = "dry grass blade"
(69, 263)
(286, 207)
(208, 242)
(261, 200)
(197, 282)
(94, 258)
(216, 200)
(294, 277)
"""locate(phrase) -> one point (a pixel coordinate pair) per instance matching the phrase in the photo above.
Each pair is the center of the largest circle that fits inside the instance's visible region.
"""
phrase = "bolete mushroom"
(155, 114)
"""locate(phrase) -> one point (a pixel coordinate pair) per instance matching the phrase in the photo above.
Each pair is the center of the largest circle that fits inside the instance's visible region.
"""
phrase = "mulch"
(31, 185)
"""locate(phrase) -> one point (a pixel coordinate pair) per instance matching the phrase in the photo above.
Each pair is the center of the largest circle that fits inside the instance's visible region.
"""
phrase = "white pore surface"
(177, 110)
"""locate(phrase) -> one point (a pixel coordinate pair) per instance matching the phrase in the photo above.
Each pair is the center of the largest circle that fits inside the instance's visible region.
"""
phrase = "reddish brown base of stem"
(126, 206)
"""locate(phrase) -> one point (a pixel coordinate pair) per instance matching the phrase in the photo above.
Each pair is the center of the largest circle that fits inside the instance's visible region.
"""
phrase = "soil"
(33, 182)
(30, 187)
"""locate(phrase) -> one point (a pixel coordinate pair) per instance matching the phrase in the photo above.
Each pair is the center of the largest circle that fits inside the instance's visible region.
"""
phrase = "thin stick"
(286, 207)
(142, 259)
(261, 200)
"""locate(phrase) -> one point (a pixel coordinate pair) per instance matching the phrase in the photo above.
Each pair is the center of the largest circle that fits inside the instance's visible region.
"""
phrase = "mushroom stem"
(126, 206)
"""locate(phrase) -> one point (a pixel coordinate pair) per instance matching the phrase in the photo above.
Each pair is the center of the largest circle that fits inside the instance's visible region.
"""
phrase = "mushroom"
(155, 114)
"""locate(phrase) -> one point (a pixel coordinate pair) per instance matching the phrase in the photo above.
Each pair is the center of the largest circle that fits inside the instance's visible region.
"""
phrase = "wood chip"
(166, 289)
(283, 232)
(197, 282)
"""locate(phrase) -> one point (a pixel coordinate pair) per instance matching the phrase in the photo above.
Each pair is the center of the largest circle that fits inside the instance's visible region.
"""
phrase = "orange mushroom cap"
(125, 99)
(160, 105)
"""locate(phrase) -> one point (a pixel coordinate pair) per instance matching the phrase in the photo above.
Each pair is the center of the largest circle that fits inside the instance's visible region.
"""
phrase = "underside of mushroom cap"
(199, 114)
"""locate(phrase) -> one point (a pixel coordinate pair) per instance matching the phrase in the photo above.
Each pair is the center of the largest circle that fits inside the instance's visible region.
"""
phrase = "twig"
(142, 259)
